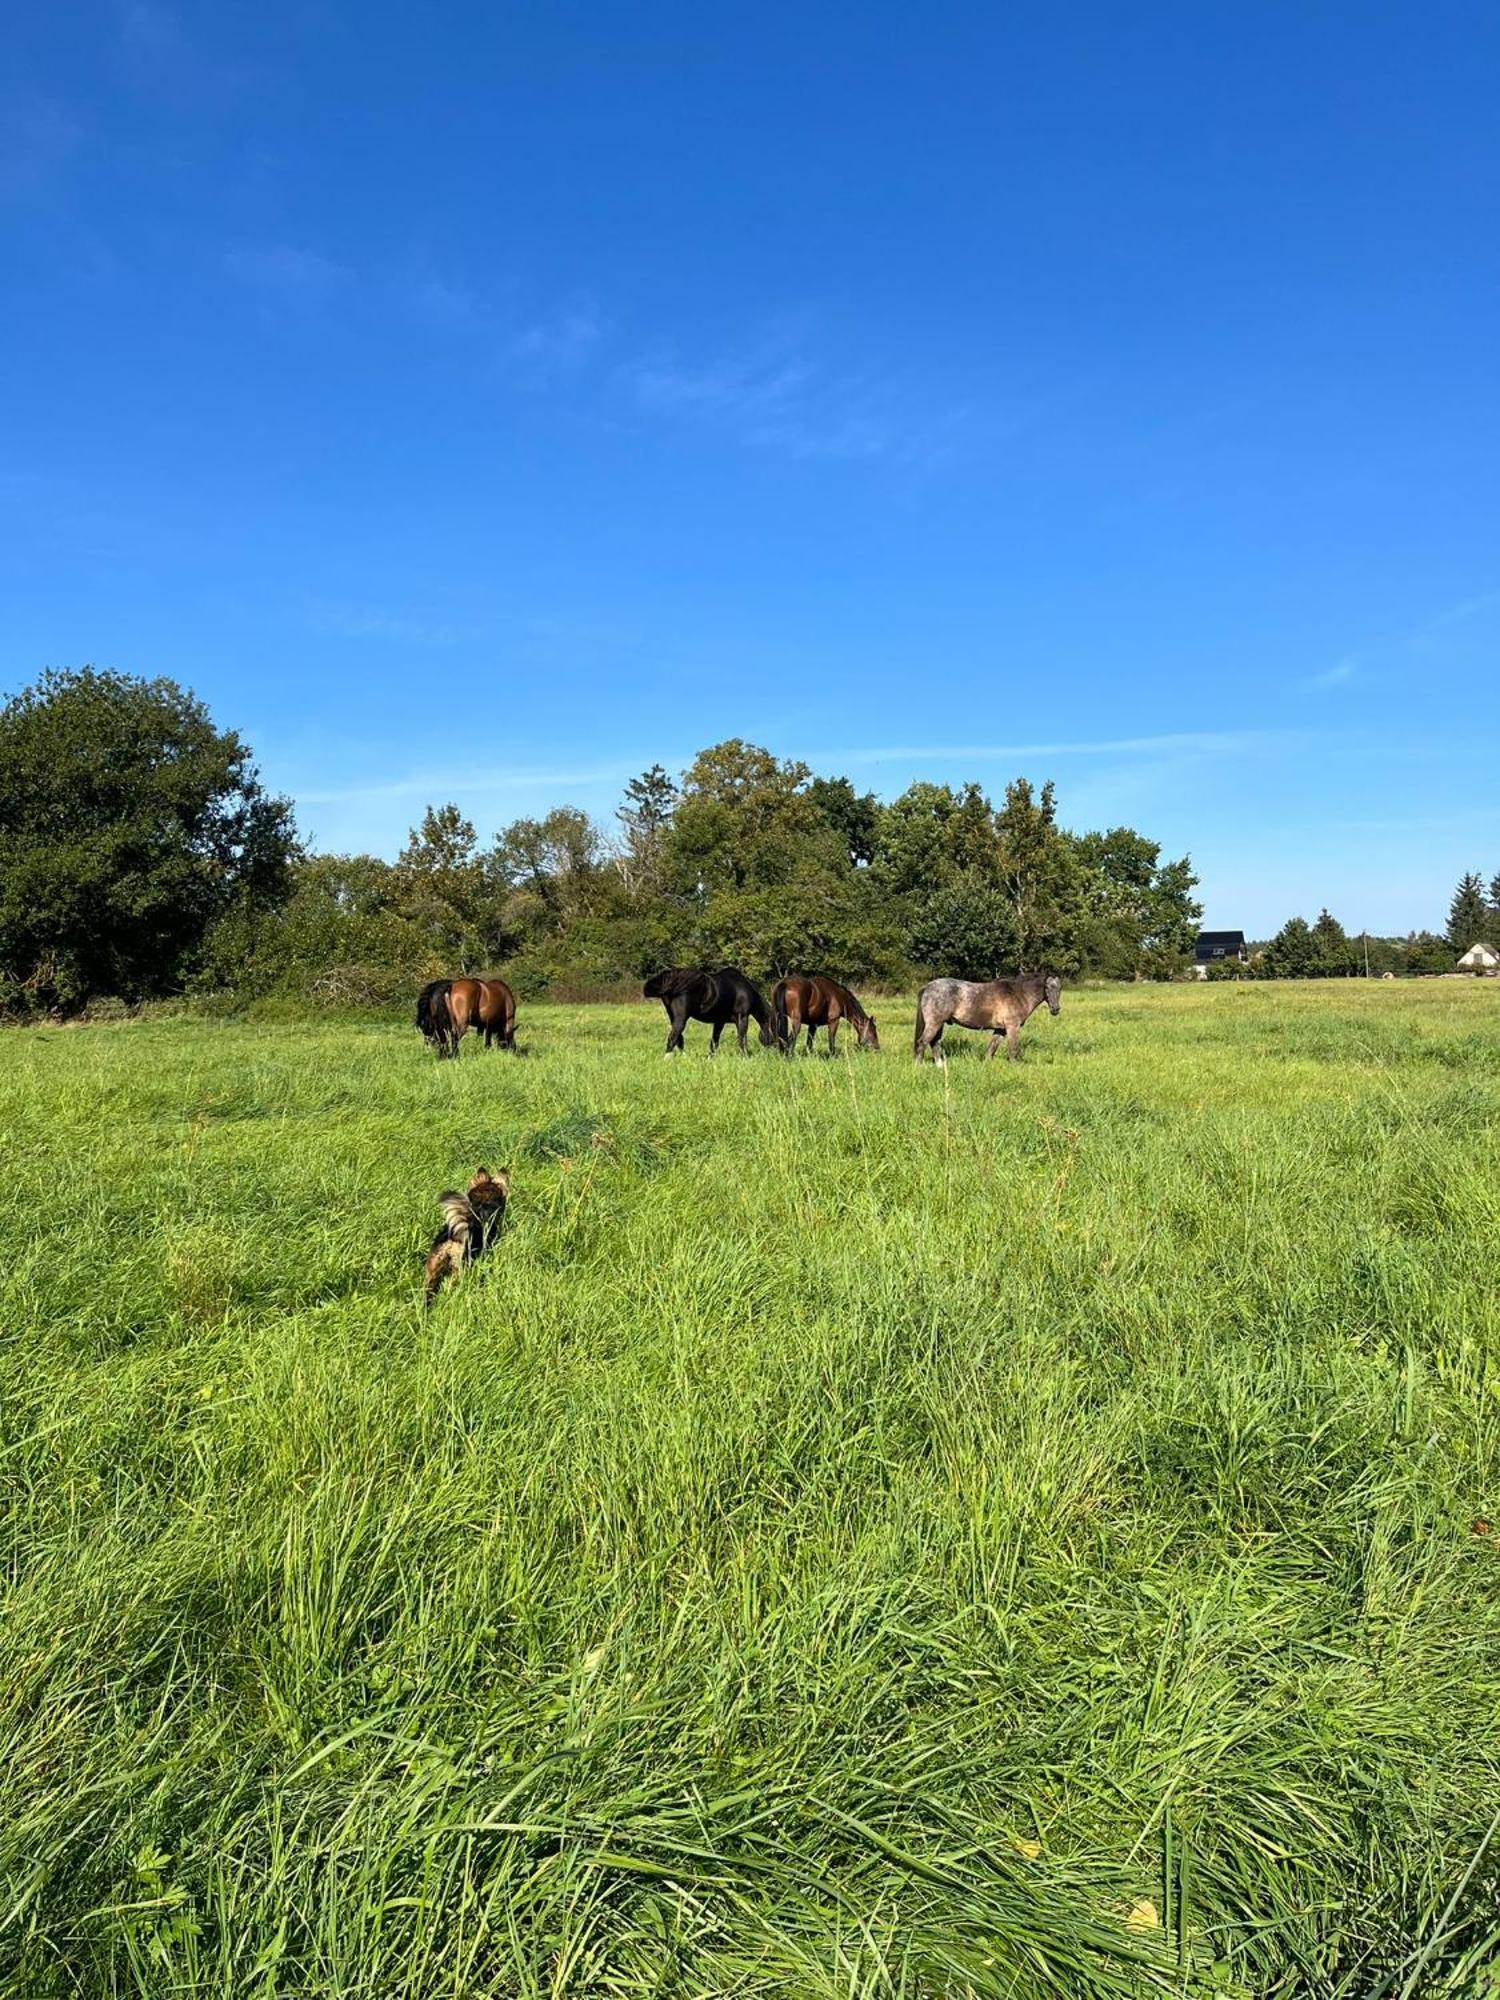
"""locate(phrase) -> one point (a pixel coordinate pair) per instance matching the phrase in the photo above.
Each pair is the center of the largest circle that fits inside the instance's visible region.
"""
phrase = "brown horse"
(813, 1002)
(448, 1008)
(1001, 1005)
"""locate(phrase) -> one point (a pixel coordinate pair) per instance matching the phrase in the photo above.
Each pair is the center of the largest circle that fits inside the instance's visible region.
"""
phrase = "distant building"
(1480, 958)
(1214, 945)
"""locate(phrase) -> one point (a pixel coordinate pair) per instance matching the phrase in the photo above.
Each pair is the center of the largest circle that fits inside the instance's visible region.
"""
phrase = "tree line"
(1325, 950)
(140, 856)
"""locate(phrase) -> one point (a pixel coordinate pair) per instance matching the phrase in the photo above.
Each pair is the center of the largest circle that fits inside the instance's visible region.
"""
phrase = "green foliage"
(1334, 957)
(1142, 916)
(861, 1533)
(129, 826)
(1426, 952)
(1468, 915)
(1292, 953)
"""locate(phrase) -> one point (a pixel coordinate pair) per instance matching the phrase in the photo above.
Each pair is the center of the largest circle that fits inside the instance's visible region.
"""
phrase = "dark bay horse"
(720, 997)
(448, 1008)
(1001, 1005)
(815, 1001)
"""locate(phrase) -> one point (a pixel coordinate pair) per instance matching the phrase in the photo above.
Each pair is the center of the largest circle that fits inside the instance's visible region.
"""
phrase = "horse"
(813, 1002)
(448, 1008)
(720, 997)
(1000, 1005)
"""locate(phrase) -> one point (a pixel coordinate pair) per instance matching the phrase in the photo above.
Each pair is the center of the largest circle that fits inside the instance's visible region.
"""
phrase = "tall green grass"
(864, 1531)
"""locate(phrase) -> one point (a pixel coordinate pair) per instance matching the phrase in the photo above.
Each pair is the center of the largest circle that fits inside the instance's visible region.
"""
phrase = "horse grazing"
(448, 1008)
(720, 997)
(1000, 1005)
(813, 1002)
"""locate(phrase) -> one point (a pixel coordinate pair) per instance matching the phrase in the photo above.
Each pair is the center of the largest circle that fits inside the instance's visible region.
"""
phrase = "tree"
(129, 825)
(965, 929)
(1041, 879)
(745, 820)
(441, 890)
(854, 816)
(1426, 952)
(1468, 914)
(1143, 914)
(1292, 953)
(931, 834)
(1333, 955)
(645, 814)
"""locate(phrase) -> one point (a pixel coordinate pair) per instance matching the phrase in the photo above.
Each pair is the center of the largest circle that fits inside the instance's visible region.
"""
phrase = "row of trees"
(140, 854)
(1325, 950)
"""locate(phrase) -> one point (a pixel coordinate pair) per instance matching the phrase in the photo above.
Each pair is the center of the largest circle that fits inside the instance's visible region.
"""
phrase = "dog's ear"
(502, 1180)
(481, 1175)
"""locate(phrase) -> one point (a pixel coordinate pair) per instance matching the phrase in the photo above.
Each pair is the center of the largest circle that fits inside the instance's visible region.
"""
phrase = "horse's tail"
(778, 1014)
(763, 1016)
(916, 1047)
(442, 1012)
(433, 1015)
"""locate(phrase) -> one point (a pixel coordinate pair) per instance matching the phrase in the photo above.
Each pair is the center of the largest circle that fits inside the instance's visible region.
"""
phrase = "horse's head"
(655, 986)
(1052, 992)
(868, 1038)
(768, 1033)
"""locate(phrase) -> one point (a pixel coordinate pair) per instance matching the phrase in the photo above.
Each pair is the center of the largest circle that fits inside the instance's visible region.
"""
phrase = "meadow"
(1010, 1530)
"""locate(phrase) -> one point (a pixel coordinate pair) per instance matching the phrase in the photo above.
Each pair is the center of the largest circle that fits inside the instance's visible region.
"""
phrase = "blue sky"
(486, 402)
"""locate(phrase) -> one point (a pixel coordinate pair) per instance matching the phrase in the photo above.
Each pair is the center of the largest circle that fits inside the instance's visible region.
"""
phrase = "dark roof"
(1218, 944)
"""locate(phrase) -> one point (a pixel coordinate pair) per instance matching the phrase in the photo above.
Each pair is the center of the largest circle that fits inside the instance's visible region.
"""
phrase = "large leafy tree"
(441, 889)
(1041, 879)
(129, 825)
(1293, 952)
(1143, 915)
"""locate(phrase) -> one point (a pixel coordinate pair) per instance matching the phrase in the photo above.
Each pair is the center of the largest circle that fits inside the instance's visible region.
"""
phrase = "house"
(1212, 945)
(1482, 959)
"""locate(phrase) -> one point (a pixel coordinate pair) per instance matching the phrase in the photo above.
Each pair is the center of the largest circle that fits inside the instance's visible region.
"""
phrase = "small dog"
(473, 1219)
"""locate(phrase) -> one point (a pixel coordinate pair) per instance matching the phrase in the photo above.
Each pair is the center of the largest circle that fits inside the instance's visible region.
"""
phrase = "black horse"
(720, 997)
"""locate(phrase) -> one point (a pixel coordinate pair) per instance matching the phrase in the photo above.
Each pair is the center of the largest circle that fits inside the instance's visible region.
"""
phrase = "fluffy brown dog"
(472, 1220)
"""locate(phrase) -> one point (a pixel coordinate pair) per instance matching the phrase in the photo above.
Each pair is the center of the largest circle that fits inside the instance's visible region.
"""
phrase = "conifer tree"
(1468, 914)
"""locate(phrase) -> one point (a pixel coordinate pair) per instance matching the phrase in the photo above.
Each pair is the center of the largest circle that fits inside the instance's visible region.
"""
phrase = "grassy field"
(1002, 1531)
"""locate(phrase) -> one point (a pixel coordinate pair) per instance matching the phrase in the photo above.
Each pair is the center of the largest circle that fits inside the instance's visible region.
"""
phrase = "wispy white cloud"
(1444, 624)
(779, 392)
(1340, 674)
(561, 339)
(38, 137)
(437, 302)
(380, 622)
(149, 29)
(498, 778)
(1189, 742)
(288, 275)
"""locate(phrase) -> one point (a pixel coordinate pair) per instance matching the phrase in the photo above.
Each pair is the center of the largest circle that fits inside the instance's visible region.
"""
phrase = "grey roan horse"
(1000, 1005)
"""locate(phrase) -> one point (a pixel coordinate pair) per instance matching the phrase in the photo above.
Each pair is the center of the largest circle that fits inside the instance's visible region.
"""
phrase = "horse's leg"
(925, 1038)
(713, 1040)
(833, 1035)
(812, 1029)
(1013, 1039)
(676, 1022)
(994, 1042)
(742, 1028)
(936, 1045)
